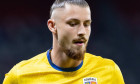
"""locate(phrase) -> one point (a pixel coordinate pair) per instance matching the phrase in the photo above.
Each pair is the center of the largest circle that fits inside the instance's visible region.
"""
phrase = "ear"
(51, 25)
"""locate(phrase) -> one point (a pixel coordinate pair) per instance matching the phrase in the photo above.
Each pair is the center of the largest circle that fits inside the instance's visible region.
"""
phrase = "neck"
(60, 59)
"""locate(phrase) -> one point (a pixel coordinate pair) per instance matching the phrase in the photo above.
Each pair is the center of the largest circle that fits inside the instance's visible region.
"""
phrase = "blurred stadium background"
(115, 33)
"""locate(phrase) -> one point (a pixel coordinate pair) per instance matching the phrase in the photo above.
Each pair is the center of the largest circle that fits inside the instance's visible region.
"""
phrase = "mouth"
(79, 42)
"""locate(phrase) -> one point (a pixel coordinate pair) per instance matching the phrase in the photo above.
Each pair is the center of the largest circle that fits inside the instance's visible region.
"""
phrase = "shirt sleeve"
(117, 76)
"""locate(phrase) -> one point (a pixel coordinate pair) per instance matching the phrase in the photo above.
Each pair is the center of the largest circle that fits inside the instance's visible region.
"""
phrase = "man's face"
(73, 29)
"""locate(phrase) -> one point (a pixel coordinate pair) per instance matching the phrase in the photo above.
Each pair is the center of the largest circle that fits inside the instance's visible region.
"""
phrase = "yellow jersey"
(40, 70)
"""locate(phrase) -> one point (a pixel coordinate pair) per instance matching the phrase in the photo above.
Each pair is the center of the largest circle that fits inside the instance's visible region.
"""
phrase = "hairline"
(51, 17)
(64, 4)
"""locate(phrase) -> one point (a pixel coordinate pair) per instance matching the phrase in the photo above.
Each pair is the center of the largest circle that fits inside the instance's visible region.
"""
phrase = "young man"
(67, 61)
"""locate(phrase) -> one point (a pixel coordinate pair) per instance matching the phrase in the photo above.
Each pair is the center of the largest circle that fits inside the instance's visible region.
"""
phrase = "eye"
(87, 24)
(72, 24)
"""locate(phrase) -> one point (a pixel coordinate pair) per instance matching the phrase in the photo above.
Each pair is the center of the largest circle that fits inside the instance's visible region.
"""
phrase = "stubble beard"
(73, 53)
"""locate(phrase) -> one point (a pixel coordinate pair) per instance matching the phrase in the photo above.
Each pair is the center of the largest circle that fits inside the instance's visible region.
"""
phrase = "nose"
(81, 30)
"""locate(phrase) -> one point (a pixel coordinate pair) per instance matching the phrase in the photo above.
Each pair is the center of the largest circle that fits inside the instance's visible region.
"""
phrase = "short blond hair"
(61, 4)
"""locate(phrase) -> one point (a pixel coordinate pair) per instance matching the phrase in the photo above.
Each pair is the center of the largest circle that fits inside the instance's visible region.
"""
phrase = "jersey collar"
(60, 68)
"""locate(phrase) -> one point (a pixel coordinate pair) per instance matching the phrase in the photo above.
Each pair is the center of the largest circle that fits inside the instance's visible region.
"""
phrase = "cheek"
(64, 37)
(88, 32)
(65, 41)
(65, 33)
(67, 37)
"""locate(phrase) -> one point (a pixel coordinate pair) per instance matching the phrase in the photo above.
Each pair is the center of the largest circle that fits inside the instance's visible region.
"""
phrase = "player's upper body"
(41, 70)
(70, 24)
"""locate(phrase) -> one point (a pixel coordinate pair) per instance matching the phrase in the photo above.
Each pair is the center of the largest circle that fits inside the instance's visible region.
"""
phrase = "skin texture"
(70, 27)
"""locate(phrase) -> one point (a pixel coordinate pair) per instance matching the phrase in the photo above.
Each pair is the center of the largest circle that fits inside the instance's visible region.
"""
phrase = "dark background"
(115, 33)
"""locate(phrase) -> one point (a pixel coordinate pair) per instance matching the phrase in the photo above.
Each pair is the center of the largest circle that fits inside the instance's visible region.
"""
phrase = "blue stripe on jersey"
(60, 68)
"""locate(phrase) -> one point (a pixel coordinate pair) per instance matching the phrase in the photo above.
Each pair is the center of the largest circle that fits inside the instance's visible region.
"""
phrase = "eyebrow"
(73, 19)
(88, 21)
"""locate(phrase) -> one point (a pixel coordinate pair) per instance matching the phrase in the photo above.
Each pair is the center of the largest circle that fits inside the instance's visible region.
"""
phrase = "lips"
(79, 41)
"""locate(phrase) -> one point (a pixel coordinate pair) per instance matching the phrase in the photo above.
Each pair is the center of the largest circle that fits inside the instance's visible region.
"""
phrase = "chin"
(76, 54)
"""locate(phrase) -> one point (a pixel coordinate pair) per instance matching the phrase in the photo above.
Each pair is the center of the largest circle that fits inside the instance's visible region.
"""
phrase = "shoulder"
(99, 61)
(34, 60)
(25, 64)
(12, 75)
(105, 65)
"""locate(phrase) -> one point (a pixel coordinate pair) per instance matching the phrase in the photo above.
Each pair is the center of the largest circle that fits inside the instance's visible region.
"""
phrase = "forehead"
(72, 11)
